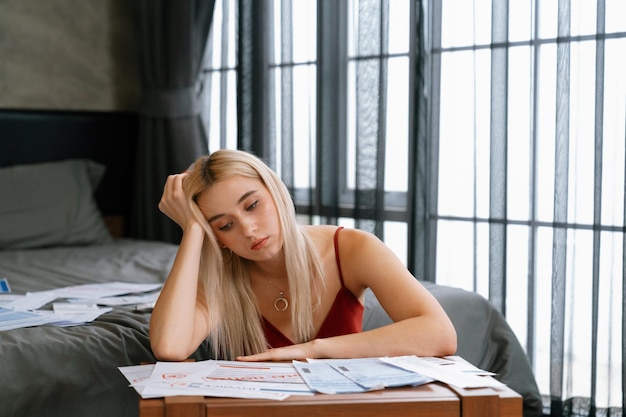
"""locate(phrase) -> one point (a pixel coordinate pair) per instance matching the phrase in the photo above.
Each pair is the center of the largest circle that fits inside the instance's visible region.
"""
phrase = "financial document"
(452, 370)
(83, 304)
(277, 381)
(333, 376)
(212, 378)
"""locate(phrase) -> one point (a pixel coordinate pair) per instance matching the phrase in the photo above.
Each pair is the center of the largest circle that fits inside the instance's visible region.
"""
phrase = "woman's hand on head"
(174, 201)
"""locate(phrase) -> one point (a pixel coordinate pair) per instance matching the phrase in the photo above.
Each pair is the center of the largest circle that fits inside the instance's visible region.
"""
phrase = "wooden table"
(432, 400)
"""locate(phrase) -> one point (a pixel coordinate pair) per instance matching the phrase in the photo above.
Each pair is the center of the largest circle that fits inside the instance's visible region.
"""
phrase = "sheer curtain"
(529, 181)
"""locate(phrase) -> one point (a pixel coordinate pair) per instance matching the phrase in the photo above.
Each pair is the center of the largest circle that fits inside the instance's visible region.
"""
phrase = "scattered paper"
(122, 300)
(102, 290)
(444, 371)
(6, 299)
(374, 373)
(32, 301)
(458, 364)
(264, 380)
(277, 381)
(11, 319)
(75, 314)
(323, 378)
(82, 306)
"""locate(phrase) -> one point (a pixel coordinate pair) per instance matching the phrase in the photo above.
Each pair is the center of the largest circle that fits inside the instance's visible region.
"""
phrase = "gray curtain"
(254, 82)
(172, 36)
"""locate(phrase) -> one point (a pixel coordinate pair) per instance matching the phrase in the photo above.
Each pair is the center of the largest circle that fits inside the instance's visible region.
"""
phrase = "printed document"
(452, 371)
(267, 380)
(277, 381)
(19, 311)
(367, 373)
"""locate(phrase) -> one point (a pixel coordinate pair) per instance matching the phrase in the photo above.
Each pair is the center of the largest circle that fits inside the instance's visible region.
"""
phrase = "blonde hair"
(234, 319)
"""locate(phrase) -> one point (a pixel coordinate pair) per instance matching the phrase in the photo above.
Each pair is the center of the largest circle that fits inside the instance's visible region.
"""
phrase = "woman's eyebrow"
(241, 199)
(245, 195)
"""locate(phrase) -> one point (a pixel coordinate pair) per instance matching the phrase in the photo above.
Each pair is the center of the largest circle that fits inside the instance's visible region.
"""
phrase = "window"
(219, 80)
(342, 117)
(487, 150)
(530, 181)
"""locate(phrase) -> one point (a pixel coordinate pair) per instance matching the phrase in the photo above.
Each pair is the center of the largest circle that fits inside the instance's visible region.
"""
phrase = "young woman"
(258, 286)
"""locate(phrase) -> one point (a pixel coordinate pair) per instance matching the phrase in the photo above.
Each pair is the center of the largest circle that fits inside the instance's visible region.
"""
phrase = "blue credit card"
(4, 285)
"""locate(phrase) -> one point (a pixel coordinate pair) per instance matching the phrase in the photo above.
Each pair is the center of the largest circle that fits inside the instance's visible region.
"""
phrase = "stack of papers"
(344, 376)
(83, 304)
(277, 381)
(452, 370)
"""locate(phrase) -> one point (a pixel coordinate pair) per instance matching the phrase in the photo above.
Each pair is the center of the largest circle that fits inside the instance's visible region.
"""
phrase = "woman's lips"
(259, 244)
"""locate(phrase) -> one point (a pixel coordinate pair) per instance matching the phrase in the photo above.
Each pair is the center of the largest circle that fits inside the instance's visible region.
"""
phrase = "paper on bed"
(64, 317)
(14, 319)
(67, 314)
(107, 289)
(85, 294)
(32, 301)
(122, 300)
(6, 299)
(11, 319)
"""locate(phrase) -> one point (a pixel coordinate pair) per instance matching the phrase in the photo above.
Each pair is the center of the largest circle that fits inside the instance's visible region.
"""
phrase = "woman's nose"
(249, 227)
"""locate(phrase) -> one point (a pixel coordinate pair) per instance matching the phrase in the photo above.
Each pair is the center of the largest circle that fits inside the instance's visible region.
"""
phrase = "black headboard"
(31, 136)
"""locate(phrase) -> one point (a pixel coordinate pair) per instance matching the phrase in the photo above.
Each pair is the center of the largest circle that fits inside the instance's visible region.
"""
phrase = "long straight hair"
(233, 316)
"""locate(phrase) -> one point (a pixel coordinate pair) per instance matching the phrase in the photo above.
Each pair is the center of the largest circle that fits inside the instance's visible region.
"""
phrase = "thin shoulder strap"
(336, 241)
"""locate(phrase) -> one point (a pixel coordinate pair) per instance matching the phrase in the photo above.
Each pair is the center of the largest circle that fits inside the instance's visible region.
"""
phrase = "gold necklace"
(280, 303)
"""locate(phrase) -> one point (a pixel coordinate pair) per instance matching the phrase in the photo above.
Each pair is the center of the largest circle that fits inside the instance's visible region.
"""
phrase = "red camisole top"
(345, 315)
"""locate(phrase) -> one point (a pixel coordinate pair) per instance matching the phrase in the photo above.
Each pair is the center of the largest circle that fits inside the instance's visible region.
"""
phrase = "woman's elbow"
(168, 352)
(449, 345)
(447, 340)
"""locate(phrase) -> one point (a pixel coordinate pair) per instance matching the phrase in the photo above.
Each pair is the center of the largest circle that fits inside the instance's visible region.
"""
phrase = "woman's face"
(243, 216)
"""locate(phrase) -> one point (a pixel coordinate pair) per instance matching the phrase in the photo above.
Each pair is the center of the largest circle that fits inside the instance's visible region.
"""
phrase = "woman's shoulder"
(319, 232)
(346, 236)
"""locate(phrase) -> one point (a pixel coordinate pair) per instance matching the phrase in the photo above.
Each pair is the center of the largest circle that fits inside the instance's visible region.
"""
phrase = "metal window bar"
(597, 198)
(371, 81)
(498, 159)
(331, 108)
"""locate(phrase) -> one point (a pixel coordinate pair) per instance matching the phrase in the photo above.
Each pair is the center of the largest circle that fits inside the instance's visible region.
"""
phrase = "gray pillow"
(51, 204)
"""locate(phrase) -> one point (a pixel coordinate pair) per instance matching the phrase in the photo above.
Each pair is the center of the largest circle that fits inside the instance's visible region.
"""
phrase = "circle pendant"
(281, 303)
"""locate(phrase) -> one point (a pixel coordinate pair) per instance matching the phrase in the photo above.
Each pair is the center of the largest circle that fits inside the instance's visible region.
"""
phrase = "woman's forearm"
(415, 336)
(421, 336)
(175, 325)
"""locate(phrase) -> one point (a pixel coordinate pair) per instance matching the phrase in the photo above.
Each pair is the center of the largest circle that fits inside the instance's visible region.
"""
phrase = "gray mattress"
(72, 371)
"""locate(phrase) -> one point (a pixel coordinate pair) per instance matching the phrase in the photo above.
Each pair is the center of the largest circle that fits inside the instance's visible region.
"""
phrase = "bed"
(53, 163)
(82, 163)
